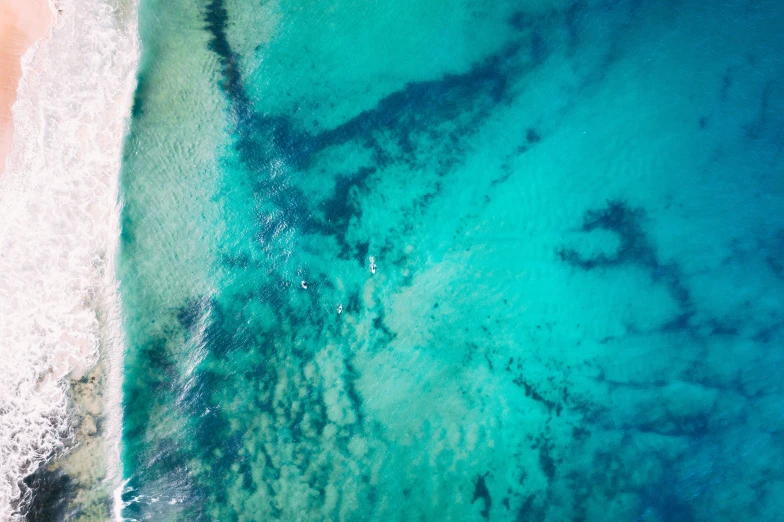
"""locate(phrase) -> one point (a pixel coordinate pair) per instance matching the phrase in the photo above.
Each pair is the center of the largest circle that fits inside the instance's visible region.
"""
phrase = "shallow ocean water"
(575, 209)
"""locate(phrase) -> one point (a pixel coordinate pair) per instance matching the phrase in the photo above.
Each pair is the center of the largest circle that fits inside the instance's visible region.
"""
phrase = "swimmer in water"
(304, 285)
(340, 309)
(372, 265)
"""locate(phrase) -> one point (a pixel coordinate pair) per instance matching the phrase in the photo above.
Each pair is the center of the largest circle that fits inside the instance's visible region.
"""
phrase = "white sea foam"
(58, 233)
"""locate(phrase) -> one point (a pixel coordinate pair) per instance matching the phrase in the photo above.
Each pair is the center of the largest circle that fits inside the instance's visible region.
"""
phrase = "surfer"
(372, 265)
(340, 309)
(304, 285)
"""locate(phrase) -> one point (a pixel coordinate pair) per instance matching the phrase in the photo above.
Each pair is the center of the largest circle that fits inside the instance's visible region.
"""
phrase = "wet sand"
(22, 23)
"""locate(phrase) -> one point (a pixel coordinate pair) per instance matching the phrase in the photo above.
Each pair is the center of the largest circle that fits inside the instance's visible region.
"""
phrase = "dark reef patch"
(626, 223)
(216, 18)
(420, 107)
(547, 463)
(726, 84)
(342, 206)
(137, 109)
(159, 370)
(52, 492)
(380, 326)
(528, 512)
(190, 313)
(481, 492)
(519, 20)
(127, 235)
(539, 51)
(506, 172)
(531, 392)
(352, 376)
(635, 248)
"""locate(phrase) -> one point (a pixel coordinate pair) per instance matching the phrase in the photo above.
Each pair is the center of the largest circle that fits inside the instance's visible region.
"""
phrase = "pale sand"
(22, 23)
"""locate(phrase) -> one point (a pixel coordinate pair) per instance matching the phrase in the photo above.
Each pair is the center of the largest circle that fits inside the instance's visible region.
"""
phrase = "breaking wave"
(59, 223)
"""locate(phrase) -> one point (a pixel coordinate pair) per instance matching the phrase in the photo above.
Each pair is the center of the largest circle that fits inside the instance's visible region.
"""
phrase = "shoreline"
(22, 25)
(62, 339)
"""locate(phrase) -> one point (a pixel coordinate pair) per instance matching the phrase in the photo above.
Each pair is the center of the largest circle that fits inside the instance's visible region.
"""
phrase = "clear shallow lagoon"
(576, 213)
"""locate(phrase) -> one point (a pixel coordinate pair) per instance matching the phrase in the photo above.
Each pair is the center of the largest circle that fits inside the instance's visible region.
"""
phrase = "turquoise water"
(575, 209)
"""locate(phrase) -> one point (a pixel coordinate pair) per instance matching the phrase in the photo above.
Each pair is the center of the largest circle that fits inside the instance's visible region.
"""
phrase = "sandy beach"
(22, 23)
